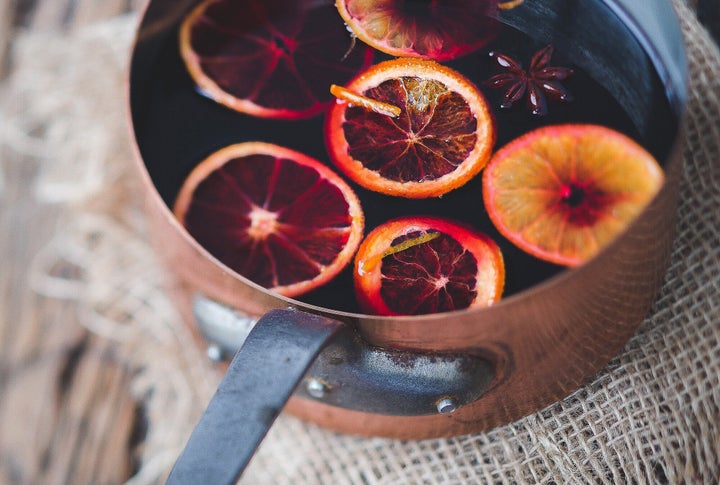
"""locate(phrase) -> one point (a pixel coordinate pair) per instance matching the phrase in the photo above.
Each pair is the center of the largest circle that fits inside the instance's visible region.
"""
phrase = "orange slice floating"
(440, 29)
(273, 215)
(441, 139)
(421, 265)
(269, 58)
(562, 193)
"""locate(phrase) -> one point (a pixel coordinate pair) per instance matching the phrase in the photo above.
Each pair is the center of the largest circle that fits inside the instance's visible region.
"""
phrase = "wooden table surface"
(91, 431)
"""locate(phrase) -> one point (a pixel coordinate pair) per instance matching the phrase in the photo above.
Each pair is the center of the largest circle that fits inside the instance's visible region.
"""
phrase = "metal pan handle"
(255, 388)
(286, 347)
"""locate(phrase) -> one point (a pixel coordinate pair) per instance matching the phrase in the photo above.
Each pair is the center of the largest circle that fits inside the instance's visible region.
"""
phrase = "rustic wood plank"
(66, 411)
(87, 11)
(51, 14)
(6, 32)
(26, 422)
(67, 414)
(69, 419)
(27, 410)
(31, 226)
(94, 406)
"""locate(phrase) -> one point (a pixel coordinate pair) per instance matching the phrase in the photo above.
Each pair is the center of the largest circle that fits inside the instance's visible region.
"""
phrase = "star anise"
(537, 83)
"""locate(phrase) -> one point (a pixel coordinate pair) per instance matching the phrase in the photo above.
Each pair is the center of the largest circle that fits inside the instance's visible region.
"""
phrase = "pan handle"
(259, 381)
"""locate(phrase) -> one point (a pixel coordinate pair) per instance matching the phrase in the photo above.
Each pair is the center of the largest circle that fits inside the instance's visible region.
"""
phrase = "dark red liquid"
(177, 127)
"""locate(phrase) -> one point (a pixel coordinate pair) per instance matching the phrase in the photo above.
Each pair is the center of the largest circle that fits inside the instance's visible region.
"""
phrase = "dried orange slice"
(269, 58)
(273, 215)
(439, 29)
(420, 265)
(562, 193)
(442, 138)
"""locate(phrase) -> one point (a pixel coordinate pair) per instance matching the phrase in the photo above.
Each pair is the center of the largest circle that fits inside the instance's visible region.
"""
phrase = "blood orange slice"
(273, 215)
(439, 29)
(564, 192)
(420, 265)
(269, 58)
(441, 139)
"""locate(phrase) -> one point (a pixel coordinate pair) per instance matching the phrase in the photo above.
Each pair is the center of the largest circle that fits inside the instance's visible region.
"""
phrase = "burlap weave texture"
(651, 416)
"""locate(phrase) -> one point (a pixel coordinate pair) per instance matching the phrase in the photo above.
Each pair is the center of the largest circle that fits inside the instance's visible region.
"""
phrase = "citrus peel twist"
(355, 99)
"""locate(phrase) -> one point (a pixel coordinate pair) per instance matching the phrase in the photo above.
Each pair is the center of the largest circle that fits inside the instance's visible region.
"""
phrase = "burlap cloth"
(651, 416)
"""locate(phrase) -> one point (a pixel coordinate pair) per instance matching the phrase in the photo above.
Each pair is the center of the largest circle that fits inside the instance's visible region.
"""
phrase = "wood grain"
(5, 28)
(67, 414)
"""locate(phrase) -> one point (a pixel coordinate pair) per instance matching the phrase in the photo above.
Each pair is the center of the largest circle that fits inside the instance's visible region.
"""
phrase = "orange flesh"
(407, 150)
(441, 139)
(251, 206)
(562, 193)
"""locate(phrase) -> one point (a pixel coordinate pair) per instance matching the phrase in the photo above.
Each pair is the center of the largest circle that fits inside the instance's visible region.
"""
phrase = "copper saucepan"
(409, 377)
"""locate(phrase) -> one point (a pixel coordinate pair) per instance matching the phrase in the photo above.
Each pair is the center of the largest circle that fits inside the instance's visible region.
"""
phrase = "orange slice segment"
(270, 58)
(441, 139)
(562, 193)
(421, 265)
(273, 215)
(439, 29)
